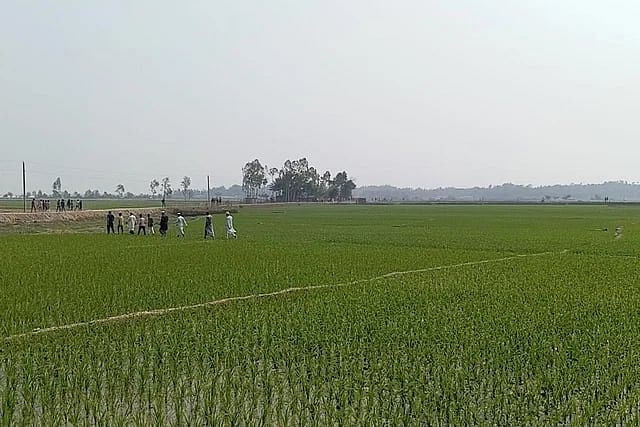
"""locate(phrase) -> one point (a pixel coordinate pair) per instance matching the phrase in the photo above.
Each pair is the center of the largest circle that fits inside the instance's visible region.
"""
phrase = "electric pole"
(208, 193)
(24, 189)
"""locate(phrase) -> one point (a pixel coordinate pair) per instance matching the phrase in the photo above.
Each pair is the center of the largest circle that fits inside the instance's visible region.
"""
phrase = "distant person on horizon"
(62, 205)
(110, 219)
(164, 202)
(142, 225)
(132, 223)
(33, 205)
(208, 226)
(58, 205)
(229, 222)
(164, 224)
(152, 231)
(120, 223)
(181, 223)
(80, 204)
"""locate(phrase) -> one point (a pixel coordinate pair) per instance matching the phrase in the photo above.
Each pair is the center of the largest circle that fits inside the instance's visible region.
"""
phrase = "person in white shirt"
(181, 223)
(142, 227)
(230, 230)
(132, 223)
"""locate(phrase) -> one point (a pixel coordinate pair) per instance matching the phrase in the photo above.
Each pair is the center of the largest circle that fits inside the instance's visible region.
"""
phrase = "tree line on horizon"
(295, 181)
(611, 191)
(157, 189)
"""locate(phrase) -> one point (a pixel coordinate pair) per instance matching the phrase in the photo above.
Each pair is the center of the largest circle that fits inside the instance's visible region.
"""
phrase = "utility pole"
(208, 193)
(24, 189)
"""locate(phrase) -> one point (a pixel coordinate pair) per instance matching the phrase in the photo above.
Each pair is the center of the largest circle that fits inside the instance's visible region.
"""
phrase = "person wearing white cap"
(208, 226)
(230, 230)
(181, 223)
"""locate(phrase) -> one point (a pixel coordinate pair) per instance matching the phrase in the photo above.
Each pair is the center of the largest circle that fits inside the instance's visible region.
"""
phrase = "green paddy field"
(392, 315)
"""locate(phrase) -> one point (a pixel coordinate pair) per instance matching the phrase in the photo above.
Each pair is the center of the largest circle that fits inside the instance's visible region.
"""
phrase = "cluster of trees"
(157, 189)
(295, 181)
(160, 188)
(163, 187)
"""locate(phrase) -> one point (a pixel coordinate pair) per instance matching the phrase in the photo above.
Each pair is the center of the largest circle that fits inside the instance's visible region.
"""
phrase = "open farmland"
(505, 315)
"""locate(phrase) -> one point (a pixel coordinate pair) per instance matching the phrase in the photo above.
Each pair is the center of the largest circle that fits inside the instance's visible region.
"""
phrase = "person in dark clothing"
(164, 224)
(110, 219)
(208, 226)
(152, 230)
(70, 204)
(33, 205)
(62, 205)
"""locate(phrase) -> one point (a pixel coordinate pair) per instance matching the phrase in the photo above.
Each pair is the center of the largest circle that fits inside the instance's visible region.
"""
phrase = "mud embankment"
(98, 214)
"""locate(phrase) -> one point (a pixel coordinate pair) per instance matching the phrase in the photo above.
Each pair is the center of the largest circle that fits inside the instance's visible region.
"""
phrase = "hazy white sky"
(409, 93)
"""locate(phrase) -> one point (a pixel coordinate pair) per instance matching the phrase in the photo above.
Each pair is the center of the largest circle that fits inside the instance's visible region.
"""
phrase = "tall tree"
(253, 178)
(166, 187)
(326, 178)
(153, 186)
(185, 184)
(343, 185)
(120, 190)
(57, 187)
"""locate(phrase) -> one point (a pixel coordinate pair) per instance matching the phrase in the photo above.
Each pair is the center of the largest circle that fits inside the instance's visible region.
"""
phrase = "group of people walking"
(142, 224)
(209, 230)
(62, 205)
(41, 205)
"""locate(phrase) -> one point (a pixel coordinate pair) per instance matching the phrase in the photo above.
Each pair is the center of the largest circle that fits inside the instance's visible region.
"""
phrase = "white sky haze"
(409, 93)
